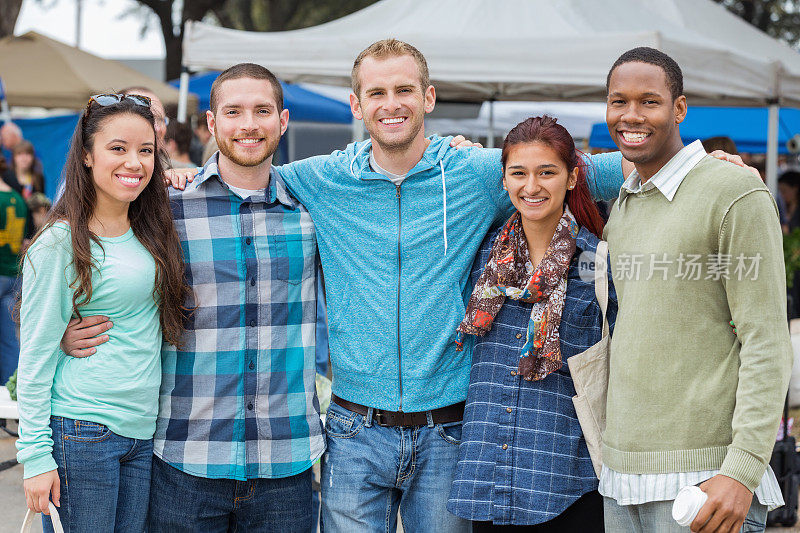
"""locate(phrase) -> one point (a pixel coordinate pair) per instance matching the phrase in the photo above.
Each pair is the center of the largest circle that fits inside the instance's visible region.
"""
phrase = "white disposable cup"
(687, 504)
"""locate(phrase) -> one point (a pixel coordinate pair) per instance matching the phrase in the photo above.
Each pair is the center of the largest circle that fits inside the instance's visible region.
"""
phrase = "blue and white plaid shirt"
(238, 399)
(523, 459)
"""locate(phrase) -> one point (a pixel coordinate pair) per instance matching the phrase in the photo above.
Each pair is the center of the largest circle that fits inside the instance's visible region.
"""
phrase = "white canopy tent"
(529, 49)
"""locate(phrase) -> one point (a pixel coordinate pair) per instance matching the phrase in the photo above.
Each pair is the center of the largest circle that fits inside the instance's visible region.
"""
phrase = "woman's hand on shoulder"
(39, 490)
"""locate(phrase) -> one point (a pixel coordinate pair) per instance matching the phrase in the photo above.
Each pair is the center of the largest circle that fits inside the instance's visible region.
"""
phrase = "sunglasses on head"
(104, 100)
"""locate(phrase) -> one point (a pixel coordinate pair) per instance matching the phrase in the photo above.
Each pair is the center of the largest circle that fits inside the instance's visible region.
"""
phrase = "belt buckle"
(377, 416)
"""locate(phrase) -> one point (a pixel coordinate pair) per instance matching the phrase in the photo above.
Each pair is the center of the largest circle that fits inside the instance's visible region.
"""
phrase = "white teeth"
(533, 200)
(129, 180)
(392, 120)
(634, 137)
(248, 141)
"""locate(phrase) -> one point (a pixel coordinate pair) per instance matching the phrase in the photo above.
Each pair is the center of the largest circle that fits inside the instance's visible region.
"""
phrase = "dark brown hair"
(181, 133)
(247, 70)
(721, 142)
(149, 214)
(547, 131)
(25, 147)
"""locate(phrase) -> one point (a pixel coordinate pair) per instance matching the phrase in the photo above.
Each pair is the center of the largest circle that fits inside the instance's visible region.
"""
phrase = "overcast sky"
(105, 31)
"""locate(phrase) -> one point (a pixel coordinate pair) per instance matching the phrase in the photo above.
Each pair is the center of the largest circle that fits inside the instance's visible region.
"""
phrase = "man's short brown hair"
(390, 48)
(247, 70)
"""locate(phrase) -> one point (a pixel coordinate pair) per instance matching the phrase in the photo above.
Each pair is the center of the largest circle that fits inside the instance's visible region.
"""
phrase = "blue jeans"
(180, 502)
(656, 517)
(9, 343)
(369, 472)
(105, 478)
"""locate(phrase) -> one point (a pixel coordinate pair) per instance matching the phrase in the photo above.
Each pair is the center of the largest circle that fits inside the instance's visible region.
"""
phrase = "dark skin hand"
(727, 505)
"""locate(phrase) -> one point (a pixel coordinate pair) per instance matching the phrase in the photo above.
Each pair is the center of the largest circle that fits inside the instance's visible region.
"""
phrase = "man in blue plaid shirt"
(239, 426)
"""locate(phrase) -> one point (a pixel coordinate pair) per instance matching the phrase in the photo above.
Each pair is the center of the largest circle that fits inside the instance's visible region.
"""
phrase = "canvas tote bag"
(589, 370)
(30, 515)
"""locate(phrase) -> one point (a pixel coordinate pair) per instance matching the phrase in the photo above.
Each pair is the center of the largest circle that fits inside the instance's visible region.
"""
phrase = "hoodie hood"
(358, 155)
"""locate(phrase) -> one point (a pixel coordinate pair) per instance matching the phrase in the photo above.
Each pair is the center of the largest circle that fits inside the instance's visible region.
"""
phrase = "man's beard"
(228, 149)
(394, 145)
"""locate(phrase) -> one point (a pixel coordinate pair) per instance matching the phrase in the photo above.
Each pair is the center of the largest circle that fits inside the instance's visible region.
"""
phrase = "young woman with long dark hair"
(108, 248)
(523, 462)
(27, 169)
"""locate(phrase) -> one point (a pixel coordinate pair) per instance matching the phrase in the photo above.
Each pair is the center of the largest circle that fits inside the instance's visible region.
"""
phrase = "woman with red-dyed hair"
(523, 460)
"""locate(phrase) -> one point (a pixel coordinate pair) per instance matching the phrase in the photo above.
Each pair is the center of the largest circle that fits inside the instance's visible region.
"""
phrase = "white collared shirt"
(669, 177)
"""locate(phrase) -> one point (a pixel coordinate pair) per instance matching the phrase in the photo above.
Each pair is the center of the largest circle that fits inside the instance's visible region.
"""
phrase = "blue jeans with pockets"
(105, 478)
(369, 472)
(183, 503)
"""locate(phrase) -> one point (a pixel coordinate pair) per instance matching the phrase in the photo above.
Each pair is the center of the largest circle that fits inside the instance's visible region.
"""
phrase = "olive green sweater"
(686, 394)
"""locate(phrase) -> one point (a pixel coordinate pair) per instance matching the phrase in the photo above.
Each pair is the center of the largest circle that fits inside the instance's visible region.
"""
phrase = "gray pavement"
(12, 501)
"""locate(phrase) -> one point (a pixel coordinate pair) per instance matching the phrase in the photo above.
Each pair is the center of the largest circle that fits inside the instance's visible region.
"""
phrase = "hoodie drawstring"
(444, 207)
(355, 157)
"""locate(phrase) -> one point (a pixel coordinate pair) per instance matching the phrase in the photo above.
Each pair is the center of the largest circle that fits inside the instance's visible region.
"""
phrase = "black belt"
(442, 415)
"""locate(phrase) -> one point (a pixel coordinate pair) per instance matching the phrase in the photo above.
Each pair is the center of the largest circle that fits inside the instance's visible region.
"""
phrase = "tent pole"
(183, 94)
(5, 112)
(772, 147)
(490, 132)
(292, 146)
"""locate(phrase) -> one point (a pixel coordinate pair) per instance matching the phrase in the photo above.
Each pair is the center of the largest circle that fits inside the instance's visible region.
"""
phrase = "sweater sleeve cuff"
(743, 467)
(39, 465)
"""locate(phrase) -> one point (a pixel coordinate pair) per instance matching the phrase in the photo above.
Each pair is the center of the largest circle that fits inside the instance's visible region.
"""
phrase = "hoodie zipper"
(399, 273)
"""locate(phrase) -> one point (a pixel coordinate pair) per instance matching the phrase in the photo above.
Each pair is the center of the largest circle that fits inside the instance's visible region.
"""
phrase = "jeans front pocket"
(85, 431)
(341, 423)
(450, 432)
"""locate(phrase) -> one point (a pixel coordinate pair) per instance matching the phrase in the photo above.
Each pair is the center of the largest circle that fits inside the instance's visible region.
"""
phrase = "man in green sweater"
(695, 243)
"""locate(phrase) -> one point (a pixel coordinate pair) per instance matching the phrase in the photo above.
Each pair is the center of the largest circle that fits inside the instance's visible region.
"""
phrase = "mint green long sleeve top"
(118, 385)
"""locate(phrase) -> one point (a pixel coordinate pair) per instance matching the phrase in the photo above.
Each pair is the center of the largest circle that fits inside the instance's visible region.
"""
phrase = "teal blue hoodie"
(396, 261)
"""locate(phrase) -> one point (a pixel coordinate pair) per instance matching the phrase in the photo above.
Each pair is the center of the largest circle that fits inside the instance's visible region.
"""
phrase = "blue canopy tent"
(747, 126)
(50, 138)
(303, 105)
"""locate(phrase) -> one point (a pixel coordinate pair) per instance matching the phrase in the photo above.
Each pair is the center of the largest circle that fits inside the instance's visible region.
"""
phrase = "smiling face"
(121, 159)
(247, 124)
(537, 180)
(23, 161)
(642, 116)
(392, 102)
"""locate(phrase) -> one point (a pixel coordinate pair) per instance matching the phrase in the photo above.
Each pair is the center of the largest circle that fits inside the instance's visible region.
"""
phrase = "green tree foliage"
(282, 15)
(778, 18)
(251, 15)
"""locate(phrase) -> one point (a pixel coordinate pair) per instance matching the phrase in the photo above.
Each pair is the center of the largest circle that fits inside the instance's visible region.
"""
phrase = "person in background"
(200, 139)
(532, 309)
(15, 227)
(10, 136)
(159, 113)
(789, 192)
(177, 142)
(27, 169)
(721, 142)
(39, 207)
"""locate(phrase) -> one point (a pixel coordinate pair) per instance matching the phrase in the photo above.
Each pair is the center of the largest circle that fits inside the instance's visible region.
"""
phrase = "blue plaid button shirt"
(238, 400)
(545, 465)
